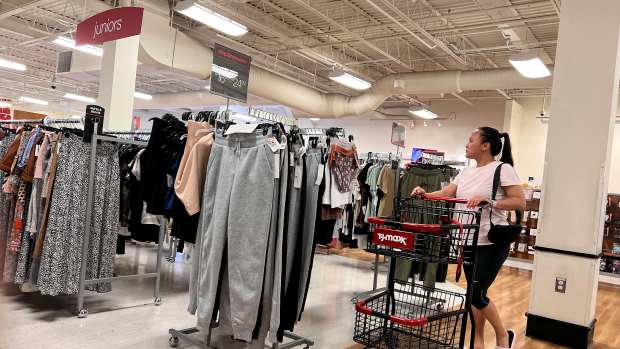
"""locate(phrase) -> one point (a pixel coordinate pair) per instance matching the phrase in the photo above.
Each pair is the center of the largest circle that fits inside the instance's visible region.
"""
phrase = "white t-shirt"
(478, 181)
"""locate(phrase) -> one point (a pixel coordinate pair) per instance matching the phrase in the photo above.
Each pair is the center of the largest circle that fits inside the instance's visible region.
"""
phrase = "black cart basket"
(408, 315)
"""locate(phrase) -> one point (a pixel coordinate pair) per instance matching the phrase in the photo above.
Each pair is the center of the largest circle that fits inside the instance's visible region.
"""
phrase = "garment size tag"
(241, 128)
(276, 166)
(299, 174)
(320, 174)
(273, 144)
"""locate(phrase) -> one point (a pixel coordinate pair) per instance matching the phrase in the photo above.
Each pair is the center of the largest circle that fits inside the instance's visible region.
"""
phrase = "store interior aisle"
(38, 322)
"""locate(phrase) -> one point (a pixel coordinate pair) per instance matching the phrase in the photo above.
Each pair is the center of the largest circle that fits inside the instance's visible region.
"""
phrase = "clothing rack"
(322, 131)
(45, 121)
(188, 334)
(272, 117)
(82, 311)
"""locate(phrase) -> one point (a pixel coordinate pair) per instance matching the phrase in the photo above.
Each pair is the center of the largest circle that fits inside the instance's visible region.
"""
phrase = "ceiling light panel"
(143, 96)
(530, 65)
(79, 98)
(423, 113)
(350, 81)
(12, 65)
(26, 99)
(70, 43)
(211, 18)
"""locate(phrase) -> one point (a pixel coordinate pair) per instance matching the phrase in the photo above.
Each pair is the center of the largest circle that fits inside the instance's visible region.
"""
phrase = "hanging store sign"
(114, 24)
(398, 135)
(230, 73)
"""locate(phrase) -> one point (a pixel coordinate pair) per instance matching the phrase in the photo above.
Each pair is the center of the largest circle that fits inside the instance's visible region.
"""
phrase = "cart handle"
(361, 307)
(434, 229)
(444, 198)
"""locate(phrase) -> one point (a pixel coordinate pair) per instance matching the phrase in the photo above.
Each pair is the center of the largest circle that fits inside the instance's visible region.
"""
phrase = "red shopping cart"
(407, 314)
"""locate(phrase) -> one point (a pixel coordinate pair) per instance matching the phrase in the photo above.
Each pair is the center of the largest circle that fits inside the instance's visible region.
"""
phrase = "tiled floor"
(126, 317)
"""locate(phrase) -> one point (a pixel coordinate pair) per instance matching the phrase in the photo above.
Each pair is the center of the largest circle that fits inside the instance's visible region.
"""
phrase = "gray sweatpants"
(311, 190)
(237, 220)
(238, 223)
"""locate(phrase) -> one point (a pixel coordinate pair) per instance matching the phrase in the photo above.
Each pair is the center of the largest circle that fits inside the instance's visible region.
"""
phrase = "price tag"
(276, 166)
(37, 150)
(320, 174)
(291, 160)
(241, 128)
(536, 195)
(533, 232)
(273, 144)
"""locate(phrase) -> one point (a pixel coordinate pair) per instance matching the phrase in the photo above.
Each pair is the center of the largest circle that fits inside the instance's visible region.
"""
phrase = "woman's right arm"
(447, 191)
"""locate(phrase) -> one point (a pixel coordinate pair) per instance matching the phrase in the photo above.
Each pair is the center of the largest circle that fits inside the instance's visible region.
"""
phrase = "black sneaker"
(511, 339)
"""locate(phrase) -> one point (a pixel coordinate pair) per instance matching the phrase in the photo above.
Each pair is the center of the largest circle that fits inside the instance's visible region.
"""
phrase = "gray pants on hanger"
(240, 200)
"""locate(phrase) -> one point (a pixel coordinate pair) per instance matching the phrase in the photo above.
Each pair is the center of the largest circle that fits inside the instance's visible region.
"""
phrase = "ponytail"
(506, 150)
(494, 137)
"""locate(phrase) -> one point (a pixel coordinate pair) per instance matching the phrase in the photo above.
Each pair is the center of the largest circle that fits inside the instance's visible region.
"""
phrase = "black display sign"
(93, 113)
(230, 73)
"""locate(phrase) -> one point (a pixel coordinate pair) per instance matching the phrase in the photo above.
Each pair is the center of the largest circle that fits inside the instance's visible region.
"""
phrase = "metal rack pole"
(82, 311)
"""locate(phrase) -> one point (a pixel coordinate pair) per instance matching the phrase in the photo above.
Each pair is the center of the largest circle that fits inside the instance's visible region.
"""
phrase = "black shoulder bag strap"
(496, 183)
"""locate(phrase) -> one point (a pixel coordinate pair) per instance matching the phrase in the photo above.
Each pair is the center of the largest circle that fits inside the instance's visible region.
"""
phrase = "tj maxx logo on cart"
(114, 24)
(393, 238)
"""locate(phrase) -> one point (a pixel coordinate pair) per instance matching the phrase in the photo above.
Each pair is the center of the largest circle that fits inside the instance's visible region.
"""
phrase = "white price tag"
(533, 232)
(273, 144)
(37, 150)
(299, 174)
(536, 195)
(276, 166)
(320, 174)
(534, 215)
(241, 128)
(291, 159)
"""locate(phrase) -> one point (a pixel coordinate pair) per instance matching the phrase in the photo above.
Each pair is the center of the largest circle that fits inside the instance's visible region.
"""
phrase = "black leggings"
(489, 262)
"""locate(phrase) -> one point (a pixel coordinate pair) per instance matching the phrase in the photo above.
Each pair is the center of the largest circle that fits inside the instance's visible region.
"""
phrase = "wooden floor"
(510, 292)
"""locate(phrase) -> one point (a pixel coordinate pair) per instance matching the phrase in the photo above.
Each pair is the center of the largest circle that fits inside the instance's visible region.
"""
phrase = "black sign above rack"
(230, 73)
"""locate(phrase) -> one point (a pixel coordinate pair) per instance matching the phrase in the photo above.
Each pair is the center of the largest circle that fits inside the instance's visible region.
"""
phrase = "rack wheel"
(83, 313)
(173, 342)
(157, 301)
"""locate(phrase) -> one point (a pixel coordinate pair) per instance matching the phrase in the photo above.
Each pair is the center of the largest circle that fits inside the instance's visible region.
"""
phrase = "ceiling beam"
(18, 8)
(436, 43)
(462, 99)
(343, 28)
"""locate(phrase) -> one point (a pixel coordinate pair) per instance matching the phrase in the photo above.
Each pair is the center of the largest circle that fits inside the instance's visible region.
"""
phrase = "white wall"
(533, 140)
(451, 137)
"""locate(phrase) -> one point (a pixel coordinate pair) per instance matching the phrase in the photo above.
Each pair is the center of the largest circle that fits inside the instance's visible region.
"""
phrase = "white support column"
(577, 162)
(117, 82)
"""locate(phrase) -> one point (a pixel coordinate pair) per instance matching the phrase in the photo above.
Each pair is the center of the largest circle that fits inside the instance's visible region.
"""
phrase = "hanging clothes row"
(258, 222)
(42, 219)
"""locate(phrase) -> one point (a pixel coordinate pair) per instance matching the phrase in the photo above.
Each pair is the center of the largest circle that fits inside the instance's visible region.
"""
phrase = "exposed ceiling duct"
(166, 48)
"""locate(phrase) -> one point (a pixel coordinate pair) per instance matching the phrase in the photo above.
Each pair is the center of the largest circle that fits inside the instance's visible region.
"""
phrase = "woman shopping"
(476, 185)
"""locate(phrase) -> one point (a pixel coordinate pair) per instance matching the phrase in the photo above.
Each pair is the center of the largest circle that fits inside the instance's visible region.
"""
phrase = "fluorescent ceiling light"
(79, 98)
(225, 72)
(315, 119)
(423, 113)
(70, 43)
(141, 95)
(349, 80)
(5, 104)
(208, 87)
(529, 65)
(12, 65)
(32, 100)
(212, 19)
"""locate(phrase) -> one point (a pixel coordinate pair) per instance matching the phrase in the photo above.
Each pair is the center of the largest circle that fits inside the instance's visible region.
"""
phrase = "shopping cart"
(407, 314)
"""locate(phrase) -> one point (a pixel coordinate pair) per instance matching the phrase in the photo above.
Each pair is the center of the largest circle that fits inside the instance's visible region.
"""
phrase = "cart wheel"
(439, 306)
(83, 313)
(173, 342)
(157, 301)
